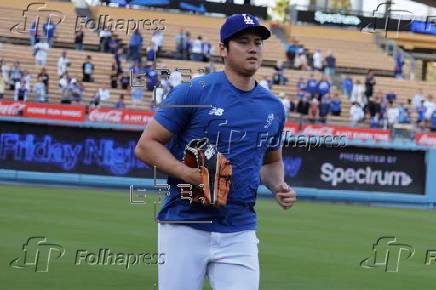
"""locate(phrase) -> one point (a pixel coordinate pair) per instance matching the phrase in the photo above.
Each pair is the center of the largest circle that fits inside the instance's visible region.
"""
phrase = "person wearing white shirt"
(286, 103)
(41, 49)
(418, 98)
(358, 93)
(317, 60)
(430, 105)
(104, 94)
(157, 40)
(197, 49)
(175, 78)
(39, 91)
(392, 114)
(356, 113)
(63, 64)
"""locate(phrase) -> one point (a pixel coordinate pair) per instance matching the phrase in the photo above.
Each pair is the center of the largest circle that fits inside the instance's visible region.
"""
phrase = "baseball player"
(245, 122)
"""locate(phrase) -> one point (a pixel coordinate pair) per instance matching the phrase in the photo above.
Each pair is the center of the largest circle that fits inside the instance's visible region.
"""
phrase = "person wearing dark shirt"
(78, 40)
(150, 53)
(324, 108)
(152, 77)
(336, 105)
(330, 68)
(374, 107)
(45, 78)
(114, 79)
(369, 84)
(135, 45)
(421, 109)
(113, 44)
(399, 63)
(303, 106)
(312, 86)
(125, 80)
(87, 69)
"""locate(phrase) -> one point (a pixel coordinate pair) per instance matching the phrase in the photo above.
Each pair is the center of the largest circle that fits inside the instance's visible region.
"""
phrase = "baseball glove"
(215, 170)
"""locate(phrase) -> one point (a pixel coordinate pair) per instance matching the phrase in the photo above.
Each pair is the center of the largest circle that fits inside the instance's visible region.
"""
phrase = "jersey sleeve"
(174, 113)
(277, 140)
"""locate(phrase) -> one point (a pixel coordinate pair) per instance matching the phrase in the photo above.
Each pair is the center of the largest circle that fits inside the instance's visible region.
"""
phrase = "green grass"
(312, 246)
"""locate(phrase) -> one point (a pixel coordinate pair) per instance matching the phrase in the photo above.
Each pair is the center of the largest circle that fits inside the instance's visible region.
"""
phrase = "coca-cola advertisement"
(426, 139)
(106, 115)
(42, 111)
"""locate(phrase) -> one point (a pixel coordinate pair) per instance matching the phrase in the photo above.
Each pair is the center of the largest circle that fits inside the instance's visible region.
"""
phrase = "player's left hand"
(285, 195)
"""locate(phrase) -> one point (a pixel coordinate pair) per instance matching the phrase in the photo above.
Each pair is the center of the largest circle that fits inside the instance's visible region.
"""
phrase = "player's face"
(245, 53)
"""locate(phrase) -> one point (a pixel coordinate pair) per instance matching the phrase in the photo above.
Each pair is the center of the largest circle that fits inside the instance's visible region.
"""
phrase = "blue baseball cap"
(240, 22)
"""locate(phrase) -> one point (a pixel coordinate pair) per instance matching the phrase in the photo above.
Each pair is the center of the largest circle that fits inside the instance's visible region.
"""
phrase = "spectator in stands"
(120, 104)
(40, 51)
(15, 75)
(301, 87)
(125, 80)
(175, 78)
(417, 99)
(49, 29)
(210, 67)
(117, 58)
(303, 106)
(430, 106)
(399, 63)
(2, 85)
(279, 77)
(264, 82)
(356, 113)
(300, 62)
(317, 60)
(21, 91)
(5, 70)
(324, 108)
(181, 44)
(188, 45)
(391, 96)
(33, 33)
(312, 86)
(347, 86)
(105, 36)
(114, 79)
(358, 94)
(197, 49)
(420, 114)
(77, 91)
(88, 70)
(137, 94)
(433, 122)
(63, 62)
(330, 64)
(104, 94)
(113, 44)
(392, 114)
(336, 105)
(65, 88)
(313, 110)
(39, 91)
(78, 39)
(95, 100)
(150, 52)
(27, 80)
(286, 103)
(323, 87)
(291, 49)
(207, 50)
(369, 84)
(135, 46)
(44, 78)
(157, 39)
(374, 107)
(403, 114)
(151, 76)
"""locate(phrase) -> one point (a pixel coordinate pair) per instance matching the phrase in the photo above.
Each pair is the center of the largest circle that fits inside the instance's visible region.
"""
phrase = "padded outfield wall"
(94, 154)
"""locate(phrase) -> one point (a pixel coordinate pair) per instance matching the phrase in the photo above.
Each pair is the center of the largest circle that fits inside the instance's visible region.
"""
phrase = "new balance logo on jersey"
(247, 19)
(216, 111)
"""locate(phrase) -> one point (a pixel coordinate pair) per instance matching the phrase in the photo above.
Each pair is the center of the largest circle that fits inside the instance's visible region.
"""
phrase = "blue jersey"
(243, 125)
(49, 29)
(312, 86)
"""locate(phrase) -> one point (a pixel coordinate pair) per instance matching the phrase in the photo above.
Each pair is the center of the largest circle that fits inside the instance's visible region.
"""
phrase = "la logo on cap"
(247, 19)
